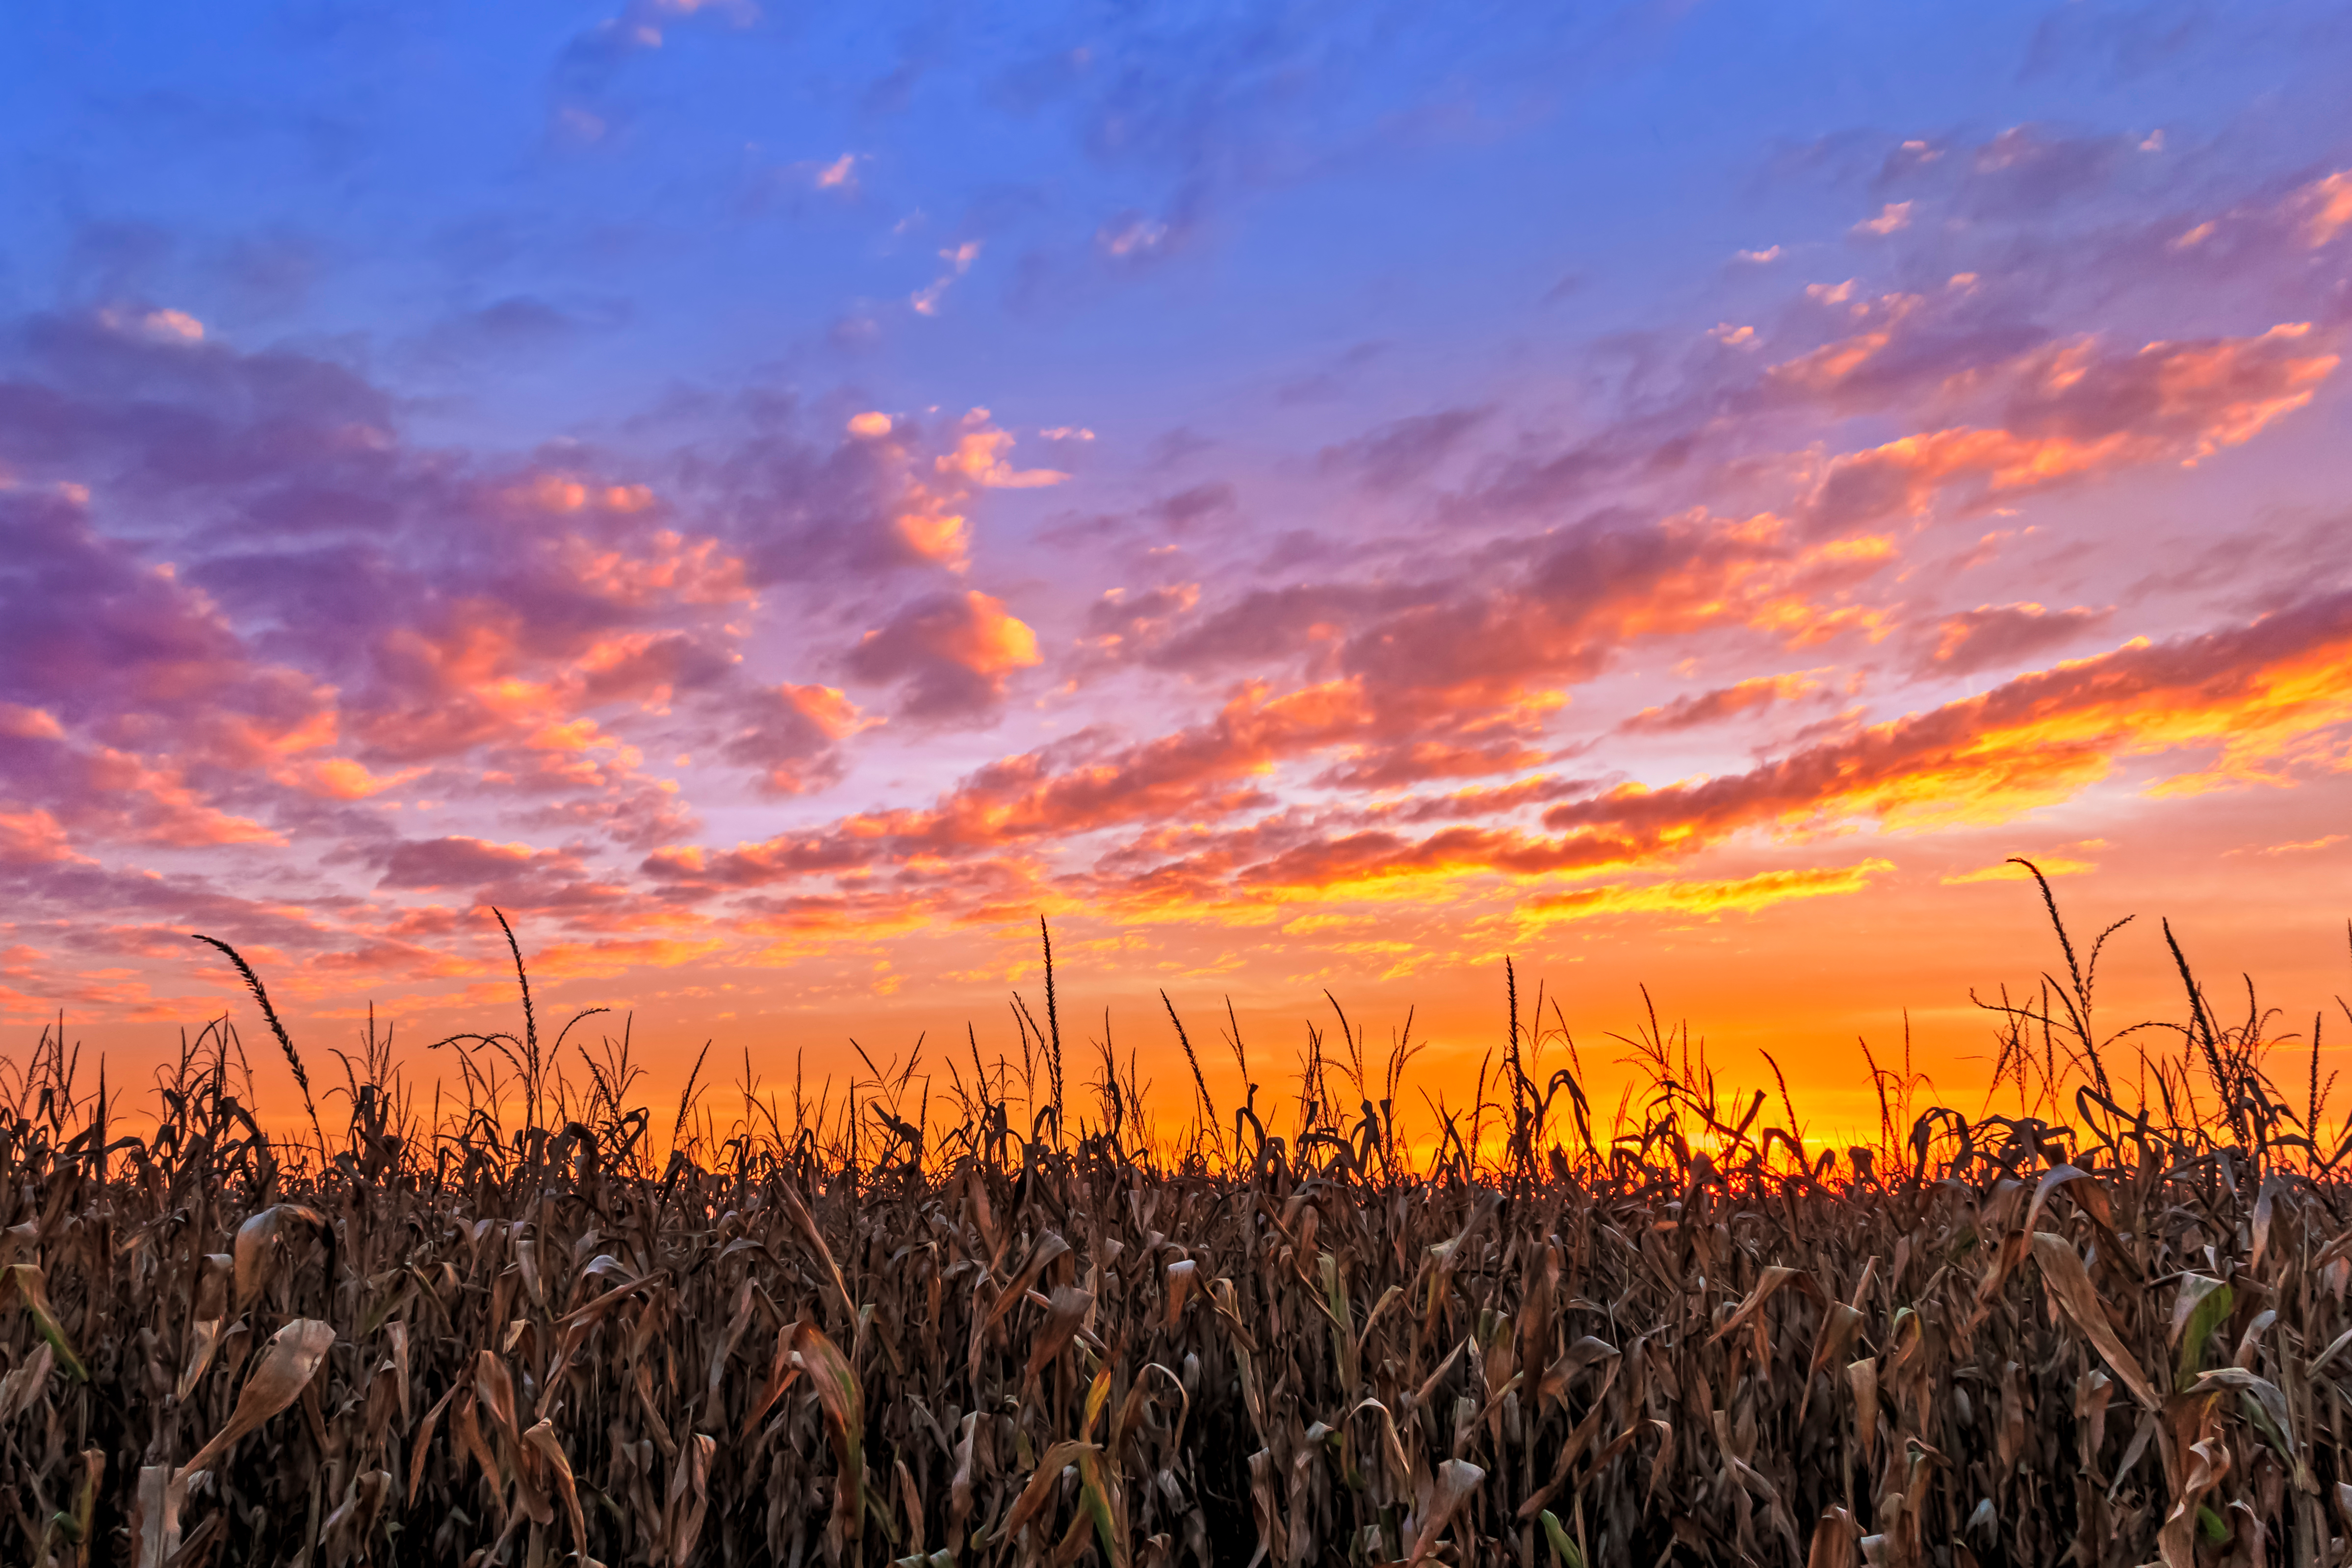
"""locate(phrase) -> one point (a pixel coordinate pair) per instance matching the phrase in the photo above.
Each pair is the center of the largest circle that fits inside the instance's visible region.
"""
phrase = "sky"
(1308, 499)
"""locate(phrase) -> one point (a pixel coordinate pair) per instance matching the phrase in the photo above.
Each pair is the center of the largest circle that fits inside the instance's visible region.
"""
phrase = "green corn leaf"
(29, 1286)
(2209, 1303)
(1563, 1548)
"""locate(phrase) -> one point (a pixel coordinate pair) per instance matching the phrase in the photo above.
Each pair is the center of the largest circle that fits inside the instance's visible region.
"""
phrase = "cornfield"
(923, 1322)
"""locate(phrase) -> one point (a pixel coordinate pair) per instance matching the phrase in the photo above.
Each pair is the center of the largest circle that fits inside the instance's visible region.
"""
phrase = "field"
(974, 1312)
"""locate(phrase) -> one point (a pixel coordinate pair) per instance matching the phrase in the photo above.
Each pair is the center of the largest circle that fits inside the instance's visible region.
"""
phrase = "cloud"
(1073, 788)
(1894, 215)
(2252, 237)
(1193, 505)
(1466, 672)
(2009, 870)
(634, 814)
(1131, 236)
(1403, 450)
(1994, 634)
(2326, 207)
(87, 631)
(101, 793)
(978, 458)
(1434, 677)
(35, 838)
(2010, 413)
(2027, 170)
(793, 735)
(894, 495)
(516, 327)
(2253, 699)
(1706, 898)
(585, 70)
(250, 608)
(1120, 617)
(1470, 754)
(2074, 411)
(1561, 608)
(165, 326)
(959, 258)
(1895, 353)
(2304, 846)
(1697, 708)
(511, 876)
(431, 865)
(354, 625)
(1481, 800)
(953, 651)
(153, 412)
(2256, 699)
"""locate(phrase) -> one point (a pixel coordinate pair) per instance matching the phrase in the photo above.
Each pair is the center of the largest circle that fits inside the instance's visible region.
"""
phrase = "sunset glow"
(774, 502)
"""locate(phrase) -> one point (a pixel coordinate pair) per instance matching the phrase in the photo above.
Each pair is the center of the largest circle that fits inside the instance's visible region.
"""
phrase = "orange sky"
(1293, 537)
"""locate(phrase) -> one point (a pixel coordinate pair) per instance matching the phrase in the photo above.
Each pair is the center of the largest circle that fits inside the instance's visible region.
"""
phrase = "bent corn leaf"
(289, 1362)
(2070, 1285)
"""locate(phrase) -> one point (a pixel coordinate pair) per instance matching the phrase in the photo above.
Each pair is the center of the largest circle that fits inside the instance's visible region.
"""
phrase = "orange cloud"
(926, 504)
(2078, 414)
(954, 651)
(978, 457)
(665, 567)
(341, 779)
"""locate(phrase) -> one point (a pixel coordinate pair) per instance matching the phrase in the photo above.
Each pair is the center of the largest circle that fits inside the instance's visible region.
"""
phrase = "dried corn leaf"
(289, 1362)
(2070, 1285)
(1064, 1313)
(255, 1251)
(843, 1403)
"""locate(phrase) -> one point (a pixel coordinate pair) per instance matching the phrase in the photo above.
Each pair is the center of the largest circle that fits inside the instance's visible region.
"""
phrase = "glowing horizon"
(1303, 502)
